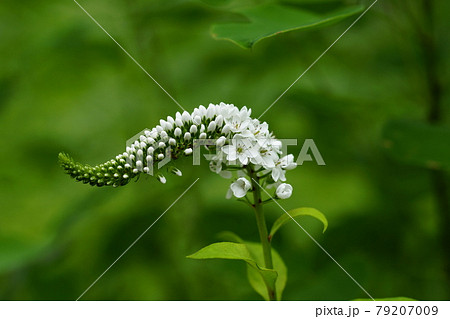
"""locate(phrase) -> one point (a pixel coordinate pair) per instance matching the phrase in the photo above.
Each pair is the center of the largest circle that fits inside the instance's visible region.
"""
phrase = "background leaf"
(271, 19)
(303, 211)
(16, 253)
(418, 143)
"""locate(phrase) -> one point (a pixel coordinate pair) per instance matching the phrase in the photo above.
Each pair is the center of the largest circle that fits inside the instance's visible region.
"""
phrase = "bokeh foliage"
(65, 86)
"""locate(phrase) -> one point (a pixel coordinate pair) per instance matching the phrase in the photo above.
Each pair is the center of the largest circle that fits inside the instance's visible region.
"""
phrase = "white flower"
(238, 123)
(284, 191)
(240, 187)
(241, 148)
(287, 162)
(278, 173)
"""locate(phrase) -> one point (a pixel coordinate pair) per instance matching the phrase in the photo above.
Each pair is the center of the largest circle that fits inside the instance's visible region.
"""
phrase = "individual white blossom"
(284, 191)
(240, 187)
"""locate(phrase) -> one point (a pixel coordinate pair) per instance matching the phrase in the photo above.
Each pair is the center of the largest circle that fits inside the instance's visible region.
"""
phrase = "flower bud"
(202, 110)
(212, 126)
(161, 178)
(284, 191)
(170, 120)
(221, 141)
(186, 117)
(219, 120)
(197, 120)
(178, 122)
(176, 171)
(177, 132)
(139, 166)
(226, 129)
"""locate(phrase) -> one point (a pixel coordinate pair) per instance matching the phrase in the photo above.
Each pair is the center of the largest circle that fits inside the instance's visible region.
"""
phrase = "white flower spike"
(239, 143)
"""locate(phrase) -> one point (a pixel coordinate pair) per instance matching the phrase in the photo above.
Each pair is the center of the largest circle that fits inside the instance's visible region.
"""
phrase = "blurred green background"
(65, 86)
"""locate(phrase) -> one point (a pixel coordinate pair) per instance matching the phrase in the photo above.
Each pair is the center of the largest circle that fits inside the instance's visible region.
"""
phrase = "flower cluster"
(237, 143)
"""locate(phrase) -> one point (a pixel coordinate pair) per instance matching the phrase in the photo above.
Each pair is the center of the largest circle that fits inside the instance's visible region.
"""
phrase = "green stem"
(262, 228)
(439, 179)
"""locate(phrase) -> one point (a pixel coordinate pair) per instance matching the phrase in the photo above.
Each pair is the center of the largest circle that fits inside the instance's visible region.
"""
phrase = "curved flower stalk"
(234, 139)
(236, 144)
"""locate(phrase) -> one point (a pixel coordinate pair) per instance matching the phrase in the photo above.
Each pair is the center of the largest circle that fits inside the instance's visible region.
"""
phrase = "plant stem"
(262, 228)
(438, 177)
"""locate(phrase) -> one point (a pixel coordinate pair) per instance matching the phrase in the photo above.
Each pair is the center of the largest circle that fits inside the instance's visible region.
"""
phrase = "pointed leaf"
(303, 211)
(255, 279)
(270, 19)
(236, 251)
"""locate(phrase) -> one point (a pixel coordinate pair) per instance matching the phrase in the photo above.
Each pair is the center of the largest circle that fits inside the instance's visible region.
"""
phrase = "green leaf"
(236, 251)
(388, 299)
(417, 143)
(270, 19)
(255, 279)
(303, 211)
